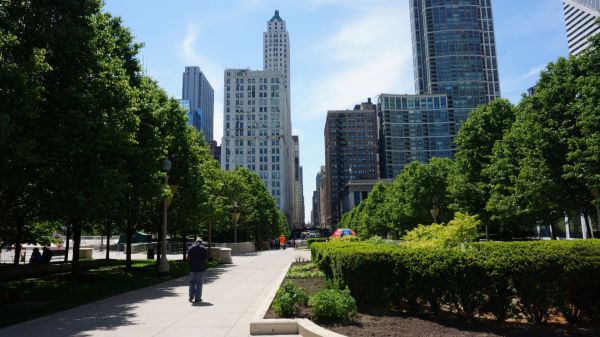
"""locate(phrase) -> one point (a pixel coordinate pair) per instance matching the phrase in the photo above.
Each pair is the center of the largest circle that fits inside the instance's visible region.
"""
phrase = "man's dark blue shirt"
(197, 257)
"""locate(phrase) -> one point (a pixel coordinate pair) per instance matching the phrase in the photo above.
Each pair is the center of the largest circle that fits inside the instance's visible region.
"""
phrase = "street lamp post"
(236, 216)
(163, 265)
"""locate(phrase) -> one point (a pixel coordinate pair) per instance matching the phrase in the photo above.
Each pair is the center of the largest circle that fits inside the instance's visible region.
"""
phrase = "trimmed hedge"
(526, 279)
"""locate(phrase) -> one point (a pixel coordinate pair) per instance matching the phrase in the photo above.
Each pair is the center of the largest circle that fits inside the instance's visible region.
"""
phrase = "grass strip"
(27, 299)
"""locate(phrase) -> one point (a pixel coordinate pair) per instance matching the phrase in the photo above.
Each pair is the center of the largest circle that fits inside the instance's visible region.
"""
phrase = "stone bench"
(222, 255)
(86, 253)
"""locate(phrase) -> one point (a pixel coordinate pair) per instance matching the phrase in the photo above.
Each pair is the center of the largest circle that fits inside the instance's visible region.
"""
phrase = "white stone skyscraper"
(276, 47)
(197, 90)
(257, 126)
(257, 130)
(580, 21)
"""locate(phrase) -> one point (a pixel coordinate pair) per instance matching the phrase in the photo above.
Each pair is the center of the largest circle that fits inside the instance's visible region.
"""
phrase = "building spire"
(276, 17)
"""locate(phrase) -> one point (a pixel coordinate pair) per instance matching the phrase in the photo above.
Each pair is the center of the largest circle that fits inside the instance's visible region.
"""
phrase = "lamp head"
(166, 165)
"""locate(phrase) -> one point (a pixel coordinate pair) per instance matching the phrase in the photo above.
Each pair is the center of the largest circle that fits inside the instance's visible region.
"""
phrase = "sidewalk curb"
(282, 326)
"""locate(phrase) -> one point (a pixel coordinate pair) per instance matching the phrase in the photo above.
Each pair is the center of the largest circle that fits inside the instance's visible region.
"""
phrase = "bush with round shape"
(332, 305)
(289, 299)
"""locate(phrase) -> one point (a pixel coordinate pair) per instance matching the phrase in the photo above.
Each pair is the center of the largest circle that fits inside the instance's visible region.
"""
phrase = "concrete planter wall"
(237, 248)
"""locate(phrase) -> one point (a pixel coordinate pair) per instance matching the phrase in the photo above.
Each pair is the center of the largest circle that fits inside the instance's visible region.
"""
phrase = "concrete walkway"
(231, 296)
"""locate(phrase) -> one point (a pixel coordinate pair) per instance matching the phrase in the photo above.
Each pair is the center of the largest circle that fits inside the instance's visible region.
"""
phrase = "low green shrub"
(289, 299)
(529, 279)
(309, 270)
(332, 305)
(461, 229)
(378, 240)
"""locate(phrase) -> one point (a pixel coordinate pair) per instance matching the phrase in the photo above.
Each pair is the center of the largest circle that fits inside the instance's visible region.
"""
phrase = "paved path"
(232, 294)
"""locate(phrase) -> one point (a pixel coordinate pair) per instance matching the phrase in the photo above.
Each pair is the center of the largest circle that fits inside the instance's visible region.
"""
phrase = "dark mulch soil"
(396, 324)
(373, 322)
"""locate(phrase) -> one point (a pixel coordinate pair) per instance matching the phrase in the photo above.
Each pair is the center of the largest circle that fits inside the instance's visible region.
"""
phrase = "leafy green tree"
(370, 217)
(82, 101)
(23, 67)
(583, 158)
(527, 170)
(419, 189)
(469, 188)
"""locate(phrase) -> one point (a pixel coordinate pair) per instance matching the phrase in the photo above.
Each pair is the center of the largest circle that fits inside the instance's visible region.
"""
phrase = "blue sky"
(342, 51)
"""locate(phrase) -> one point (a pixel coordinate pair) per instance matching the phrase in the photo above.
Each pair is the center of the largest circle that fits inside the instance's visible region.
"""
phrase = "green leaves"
(289, 299)
(514, 279)
(332, 305)
(458, 231)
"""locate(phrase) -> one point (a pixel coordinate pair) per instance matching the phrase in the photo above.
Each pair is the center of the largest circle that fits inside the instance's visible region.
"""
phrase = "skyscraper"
(257, 130)
(276, 47)
(350, 152)
(454, 53)
(315, 214)
(201, 96)
(412, 127)
(580, 21)
(298, 194)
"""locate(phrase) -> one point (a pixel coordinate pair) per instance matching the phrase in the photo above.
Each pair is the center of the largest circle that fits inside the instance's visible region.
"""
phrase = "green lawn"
(27, 299)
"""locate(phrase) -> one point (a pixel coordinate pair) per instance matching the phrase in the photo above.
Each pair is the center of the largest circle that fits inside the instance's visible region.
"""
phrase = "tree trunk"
(108, 243)
(76, 245)
(588, 225)
(552, 231)
(210, 238)
(258, 238)
(67, 242)
(128, 234)
(183, 245)
(598, 215)
(19, 221)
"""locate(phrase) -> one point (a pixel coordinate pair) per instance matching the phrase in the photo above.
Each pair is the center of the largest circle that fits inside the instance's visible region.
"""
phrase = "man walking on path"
(197, 256)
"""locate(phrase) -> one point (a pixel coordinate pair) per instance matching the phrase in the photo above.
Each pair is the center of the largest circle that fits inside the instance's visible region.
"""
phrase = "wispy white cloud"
(364, 57)
(189, 53)
(533, 72)
(355, 4)
(522, 82)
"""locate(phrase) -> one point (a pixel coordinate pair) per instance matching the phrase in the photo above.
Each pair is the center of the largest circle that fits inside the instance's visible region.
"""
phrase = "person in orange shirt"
(282, 242)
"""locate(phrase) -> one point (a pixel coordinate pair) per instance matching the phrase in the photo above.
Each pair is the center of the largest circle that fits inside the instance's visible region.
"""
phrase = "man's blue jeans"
(196, 285)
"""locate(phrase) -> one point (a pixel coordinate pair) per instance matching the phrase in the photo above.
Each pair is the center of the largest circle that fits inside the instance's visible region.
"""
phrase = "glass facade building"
(201, 97)
(412, 127)
(454, 53)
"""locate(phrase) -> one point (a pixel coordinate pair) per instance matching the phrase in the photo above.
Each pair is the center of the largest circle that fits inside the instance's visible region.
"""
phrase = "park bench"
(58, 255)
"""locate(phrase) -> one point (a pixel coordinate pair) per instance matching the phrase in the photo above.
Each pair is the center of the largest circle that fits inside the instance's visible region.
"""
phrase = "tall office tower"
(298, 211)
(215, 150)
(454, 53)
(324, 205)
(412, 127)
(580, 21)
(300, 199)
(350, 151)
(257, 131)
(276, 47)
(194, 116)
(315, 214)
(198, 91)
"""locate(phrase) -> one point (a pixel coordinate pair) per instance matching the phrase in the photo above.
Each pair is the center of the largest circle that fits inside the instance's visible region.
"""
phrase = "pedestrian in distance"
(197, 256)
(282, 242)
(46, 254)
(36, 256)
